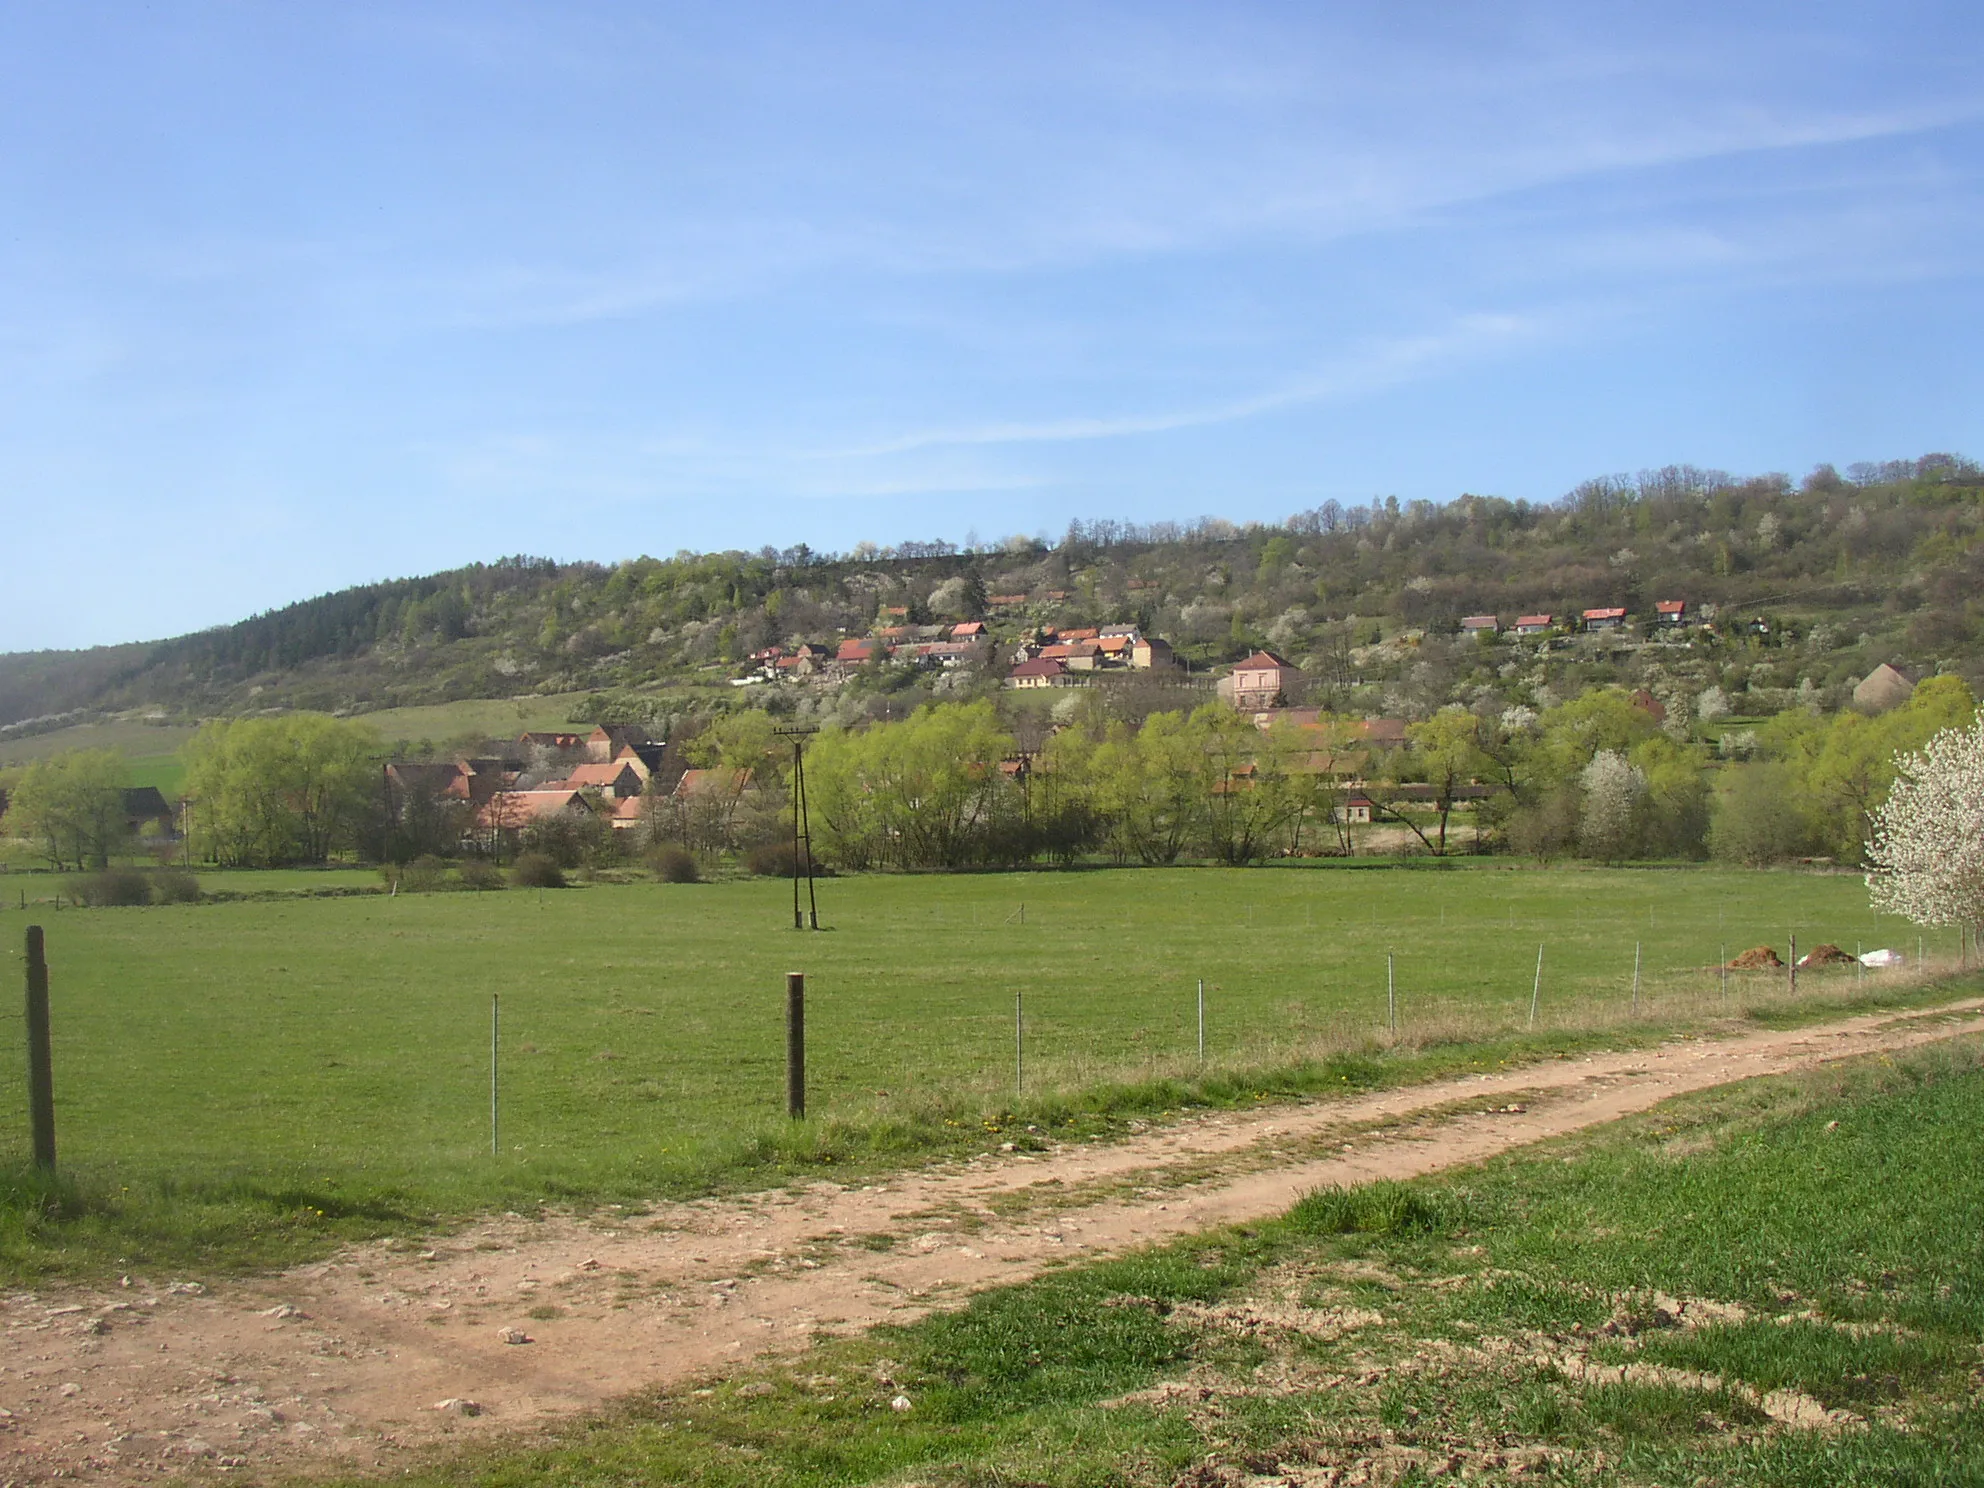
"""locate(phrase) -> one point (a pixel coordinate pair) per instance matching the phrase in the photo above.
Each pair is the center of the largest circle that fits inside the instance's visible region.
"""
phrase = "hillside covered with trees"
(1811, 583)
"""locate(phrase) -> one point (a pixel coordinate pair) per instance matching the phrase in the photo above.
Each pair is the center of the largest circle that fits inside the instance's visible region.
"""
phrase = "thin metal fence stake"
(495, 1090)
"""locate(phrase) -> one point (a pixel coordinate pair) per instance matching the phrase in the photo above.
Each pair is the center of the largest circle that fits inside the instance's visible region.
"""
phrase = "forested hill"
(1884, 561)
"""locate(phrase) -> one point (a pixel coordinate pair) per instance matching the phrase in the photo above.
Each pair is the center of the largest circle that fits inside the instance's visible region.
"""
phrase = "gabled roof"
(1087, 633)
(1262, 661)
(967, 628)
(432, 780)
(717, 782)
(1669, 606)
(515, 808)
(1040, 666)
(1607, 614)
(1383, 730)
(1523, 620)
(582, 776)
(144, 802)
(1480, 622)
(857, 650)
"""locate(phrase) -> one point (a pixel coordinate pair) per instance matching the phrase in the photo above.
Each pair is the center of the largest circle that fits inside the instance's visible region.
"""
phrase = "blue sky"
(298, 296)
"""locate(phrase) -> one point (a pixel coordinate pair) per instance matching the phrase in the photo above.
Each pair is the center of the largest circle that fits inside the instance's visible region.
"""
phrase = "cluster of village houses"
(609, 772)
(1047, 657)
(613, 770)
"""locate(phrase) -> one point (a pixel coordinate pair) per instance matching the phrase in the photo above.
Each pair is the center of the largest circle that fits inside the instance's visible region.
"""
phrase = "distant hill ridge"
(1889, 550)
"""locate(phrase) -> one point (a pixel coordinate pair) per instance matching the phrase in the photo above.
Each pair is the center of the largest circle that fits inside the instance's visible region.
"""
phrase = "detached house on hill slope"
(1262, 680)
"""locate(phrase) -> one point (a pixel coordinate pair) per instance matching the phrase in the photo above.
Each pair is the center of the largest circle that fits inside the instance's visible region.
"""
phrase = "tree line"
(1602, 776)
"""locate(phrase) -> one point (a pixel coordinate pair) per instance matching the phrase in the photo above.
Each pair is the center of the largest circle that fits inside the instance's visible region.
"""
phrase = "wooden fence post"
(795, 1044)
(41, 1068)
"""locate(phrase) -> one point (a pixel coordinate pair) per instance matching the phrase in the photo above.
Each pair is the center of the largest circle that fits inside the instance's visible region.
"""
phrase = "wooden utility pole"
(802, 831)
(41, 1068)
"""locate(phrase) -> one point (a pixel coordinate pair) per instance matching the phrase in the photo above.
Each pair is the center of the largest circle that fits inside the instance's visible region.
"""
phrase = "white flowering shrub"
(1927, 850)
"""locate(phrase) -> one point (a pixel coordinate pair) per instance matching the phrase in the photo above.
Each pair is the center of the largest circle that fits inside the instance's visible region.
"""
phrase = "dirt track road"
(344, 1363)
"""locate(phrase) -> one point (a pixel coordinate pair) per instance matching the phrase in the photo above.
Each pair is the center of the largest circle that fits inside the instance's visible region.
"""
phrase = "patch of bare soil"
(1757, 958)
(353, 1362)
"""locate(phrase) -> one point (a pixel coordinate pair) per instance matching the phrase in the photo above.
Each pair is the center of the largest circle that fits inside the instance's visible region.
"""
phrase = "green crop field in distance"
(496, 718)
(341, 1047)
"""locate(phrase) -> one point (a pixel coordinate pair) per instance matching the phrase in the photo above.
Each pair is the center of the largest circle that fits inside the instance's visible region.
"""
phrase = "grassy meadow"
(1629, 1305)
(329, 1058)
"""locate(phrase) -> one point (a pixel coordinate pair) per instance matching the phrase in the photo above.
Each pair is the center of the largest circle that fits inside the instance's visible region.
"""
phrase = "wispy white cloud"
(1375, 365)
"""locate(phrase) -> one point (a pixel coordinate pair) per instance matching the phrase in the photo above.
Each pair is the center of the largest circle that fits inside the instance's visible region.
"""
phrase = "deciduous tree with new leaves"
(1927, 850)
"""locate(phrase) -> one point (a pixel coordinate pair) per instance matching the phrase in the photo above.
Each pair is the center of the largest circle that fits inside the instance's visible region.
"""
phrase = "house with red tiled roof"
(625, 813)
(512, 811)
(966, 630)
(606, 741)
(1604, 619)
(720, 784)
(1477, 625)
(1262, 680)
(1041, 671)
(1530, 625)
(1670, 611)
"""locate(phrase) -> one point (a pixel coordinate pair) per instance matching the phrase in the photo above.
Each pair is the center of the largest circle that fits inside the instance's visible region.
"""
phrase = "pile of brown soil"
(1826, 955)
(1757, 958)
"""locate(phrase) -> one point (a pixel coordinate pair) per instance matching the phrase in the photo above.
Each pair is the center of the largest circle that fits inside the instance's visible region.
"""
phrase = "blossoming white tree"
(1928, 845)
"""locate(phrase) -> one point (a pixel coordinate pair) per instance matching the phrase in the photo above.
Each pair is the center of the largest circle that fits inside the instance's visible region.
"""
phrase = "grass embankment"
(1789, 1273)
(240, 1084)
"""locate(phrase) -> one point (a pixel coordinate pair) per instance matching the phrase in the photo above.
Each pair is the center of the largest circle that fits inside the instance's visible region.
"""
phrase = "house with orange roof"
(1670, 611)
(718, 784)
(1531, 625)
(1605, 619)
(512, 811)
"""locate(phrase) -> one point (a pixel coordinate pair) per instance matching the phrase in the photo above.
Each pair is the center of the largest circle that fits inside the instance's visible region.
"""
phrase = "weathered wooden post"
(1019, 1043)
(795, 1044)
(41, 1068)
(1536, 987)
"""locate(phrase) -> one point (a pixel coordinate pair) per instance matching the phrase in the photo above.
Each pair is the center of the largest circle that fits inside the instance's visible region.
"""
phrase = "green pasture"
(134, 738)
(348, 1039)
(496, 718)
